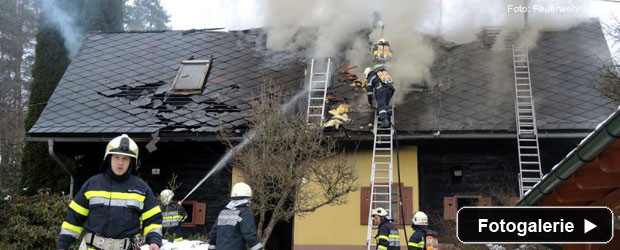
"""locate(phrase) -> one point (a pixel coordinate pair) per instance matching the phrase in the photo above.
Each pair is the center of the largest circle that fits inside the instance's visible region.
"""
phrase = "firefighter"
(235, 227)
(381, 51)
(387, 237)
(422, 237)
(381, 84)
(113, 207)
(173, 213)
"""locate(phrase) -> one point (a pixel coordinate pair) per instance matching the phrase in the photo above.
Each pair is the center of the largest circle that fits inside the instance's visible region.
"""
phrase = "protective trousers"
(383, 96)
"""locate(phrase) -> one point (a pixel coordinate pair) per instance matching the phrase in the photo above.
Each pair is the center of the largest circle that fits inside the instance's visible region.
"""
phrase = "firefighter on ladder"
(113, 207)
(422, 237)
(381, 84)
(387, 237)
(381, 51)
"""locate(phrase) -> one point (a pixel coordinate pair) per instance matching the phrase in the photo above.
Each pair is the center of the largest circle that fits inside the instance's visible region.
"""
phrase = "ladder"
(527, 133)
(381, 175)
(317, 90)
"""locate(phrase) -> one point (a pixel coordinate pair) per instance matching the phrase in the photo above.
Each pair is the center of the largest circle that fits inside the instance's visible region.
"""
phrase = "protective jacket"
(387, 237)
(113, 207)
(173, 214)
(418, 239)
(235, 228)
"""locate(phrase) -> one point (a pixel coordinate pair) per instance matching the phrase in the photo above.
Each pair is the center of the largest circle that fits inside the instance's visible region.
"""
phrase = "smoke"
(63, 19)
(347, 28)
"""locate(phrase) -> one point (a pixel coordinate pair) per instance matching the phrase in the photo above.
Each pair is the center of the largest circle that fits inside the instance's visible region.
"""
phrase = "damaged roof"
(473, 88)
(120, 83)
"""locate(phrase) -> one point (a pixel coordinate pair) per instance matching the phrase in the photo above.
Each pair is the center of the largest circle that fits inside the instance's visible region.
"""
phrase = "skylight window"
(191, 76)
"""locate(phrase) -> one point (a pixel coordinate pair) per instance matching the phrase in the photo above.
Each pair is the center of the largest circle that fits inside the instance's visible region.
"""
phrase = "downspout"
(50, 148)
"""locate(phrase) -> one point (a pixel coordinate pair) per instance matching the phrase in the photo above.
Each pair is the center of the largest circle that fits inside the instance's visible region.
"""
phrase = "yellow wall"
(340, 225)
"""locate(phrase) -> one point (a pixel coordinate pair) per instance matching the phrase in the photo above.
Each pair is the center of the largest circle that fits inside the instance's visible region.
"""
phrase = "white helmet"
(382, 40)
(379, 211)
(166, 196)
(367, 71)
(241, 190)
(122, 145)
(419, 218)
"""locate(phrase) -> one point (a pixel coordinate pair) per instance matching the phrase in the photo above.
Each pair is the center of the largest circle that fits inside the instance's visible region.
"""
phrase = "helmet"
(122, 145)
(382, 40)
(166, 196)
(379, 211)
(367, 71)
(241, 190)
(379, 67)
(419, 218)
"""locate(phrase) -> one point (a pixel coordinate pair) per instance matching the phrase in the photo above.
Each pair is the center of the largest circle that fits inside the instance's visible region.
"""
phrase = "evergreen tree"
(18, 24)
(51, 61)
(146, 15)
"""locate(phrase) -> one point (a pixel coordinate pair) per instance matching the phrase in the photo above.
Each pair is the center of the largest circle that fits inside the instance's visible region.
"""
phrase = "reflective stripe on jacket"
(114, 209)
(387, 236)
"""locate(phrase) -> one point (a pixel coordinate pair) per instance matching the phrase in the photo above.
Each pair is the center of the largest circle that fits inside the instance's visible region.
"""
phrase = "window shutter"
(364, 205)
(449, 208)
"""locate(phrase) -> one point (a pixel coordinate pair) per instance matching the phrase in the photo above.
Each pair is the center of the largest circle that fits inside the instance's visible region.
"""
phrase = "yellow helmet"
(166, 196)
(122, 145)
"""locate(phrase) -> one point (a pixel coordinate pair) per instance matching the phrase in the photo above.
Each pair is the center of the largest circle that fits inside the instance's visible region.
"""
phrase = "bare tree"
(608, 80)
(291, 168)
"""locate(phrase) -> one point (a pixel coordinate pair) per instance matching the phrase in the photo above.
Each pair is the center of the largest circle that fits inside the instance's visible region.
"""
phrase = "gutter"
(589, 148)
(50, 149)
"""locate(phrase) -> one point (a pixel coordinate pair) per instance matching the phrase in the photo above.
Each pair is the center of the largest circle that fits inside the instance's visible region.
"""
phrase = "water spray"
(247, 138)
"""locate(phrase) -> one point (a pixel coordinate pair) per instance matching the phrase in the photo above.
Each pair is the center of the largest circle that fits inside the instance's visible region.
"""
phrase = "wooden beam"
(594, 178)
(610, 158)
(552, 200)
(569, 192)
(611, 200)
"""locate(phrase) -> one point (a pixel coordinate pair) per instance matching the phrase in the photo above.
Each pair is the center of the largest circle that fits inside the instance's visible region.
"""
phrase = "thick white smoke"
(328, 28)
(64, 20)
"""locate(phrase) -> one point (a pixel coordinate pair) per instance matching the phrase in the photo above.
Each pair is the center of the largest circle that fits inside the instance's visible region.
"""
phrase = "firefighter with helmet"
(381, 84)
(235, 228)
(173, 213)
(422, 237)
(113, 207)
(387, 237)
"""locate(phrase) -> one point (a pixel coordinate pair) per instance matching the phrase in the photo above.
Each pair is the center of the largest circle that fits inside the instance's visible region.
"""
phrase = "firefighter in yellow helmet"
(387, 237)
(173, 213)
(422, 237)
(113, 207)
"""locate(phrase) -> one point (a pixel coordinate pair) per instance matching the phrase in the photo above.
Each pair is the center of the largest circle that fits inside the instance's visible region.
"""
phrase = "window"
(196, 212)
(407, 204)
(452, 204)
(191, 76)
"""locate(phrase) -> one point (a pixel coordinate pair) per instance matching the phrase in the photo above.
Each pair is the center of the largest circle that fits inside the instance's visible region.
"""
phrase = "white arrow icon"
(587, 226)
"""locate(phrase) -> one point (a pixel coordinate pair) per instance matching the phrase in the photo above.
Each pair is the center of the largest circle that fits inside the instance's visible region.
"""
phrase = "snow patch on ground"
(180, 245)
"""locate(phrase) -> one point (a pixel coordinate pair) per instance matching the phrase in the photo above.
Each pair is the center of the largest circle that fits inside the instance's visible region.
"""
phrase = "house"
(125, 83)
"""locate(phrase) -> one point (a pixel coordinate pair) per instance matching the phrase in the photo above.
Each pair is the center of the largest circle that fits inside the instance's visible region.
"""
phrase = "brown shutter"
(364, 205)
(449, 208)
(408, 204)
(200, 210)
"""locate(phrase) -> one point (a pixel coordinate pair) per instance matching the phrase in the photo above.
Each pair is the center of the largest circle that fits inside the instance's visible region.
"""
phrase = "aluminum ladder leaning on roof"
(317, 90)
(527, 133)
(381, 175)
